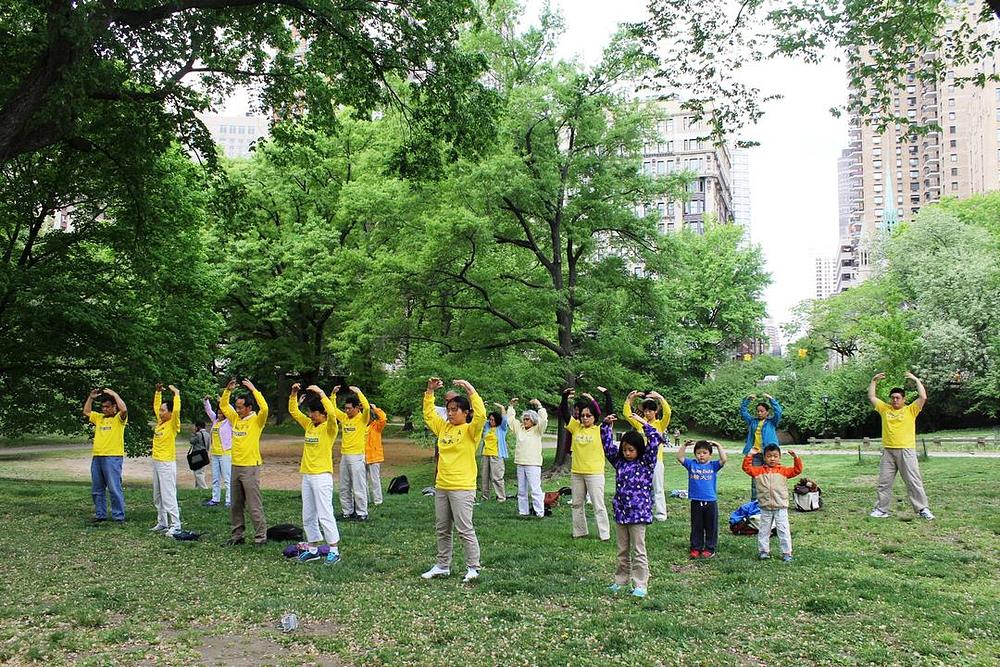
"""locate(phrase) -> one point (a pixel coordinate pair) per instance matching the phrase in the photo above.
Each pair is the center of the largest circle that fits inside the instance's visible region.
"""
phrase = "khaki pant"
(592, 485)
(491, 470)
(375, 481)
(454, 509)
(246, 493)
(903, 461)
(353, 485)
(632, 561)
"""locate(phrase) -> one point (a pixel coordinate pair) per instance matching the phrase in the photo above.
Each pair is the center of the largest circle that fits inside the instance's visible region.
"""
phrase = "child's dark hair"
(199, 424)
(635, 439)
(771, 448)
(897, 390)
(764, 404)
(650, 404)
(315, 405)
(703, 444)
(497, 417)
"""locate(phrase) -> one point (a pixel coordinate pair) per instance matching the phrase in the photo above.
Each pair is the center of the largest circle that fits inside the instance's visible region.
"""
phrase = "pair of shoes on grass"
(636, 592)
(696, 553)
(435, 572)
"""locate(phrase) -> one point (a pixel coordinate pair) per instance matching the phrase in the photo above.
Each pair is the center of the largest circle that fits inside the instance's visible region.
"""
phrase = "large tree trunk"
(564, 458)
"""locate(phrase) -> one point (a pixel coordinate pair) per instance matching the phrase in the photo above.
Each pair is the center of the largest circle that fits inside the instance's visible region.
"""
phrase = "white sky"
(793, 173)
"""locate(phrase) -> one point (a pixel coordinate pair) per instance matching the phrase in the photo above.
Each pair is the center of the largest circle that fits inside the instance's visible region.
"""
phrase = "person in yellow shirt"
(587, 471)
(168, 425)
(374, 456)
(108, 453)
(247, 424)
(899, 439)
(652, 402)
(317, 472)
(494, 453)
(455, 480)
(354, 429)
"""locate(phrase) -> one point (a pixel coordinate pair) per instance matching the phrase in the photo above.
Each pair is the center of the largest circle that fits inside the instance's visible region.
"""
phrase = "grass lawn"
(901, 591)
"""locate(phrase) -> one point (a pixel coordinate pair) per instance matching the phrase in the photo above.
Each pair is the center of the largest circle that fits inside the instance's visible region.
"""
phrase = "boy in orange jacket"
(374, 455)
(772, 494)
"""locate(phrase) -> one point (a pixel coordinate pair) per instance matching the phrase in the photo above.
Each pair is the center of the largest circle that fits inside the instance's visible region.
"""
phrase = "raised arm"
(608, 406)
(294, 410)
(627, 410)
(543, 417)
(209, 412)
(122, 408)
(776, 409)
(478, 410)
(654, 441)
(89, 403)
(680, 451)
(337, 413)
(262, 409)
(433, 420)
(511, 416)
(921, 391)
(564, 412)
(723, 458)
(175, 413)
(744, 409)
(224, 406)
(608, 439)
(366, 408)
(872, 398)
(157, 400)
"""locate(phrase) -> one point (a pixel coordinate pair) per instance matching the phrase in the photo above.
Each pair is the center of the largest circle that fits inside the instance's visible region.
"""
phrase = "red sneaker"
(708, 554)
(695, 553)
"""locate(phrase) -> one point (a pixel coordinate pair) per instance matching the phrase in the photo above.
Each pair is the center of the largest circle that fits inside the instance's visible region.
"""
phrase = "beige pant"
(454, 509)
(632, 561)
(903, 461)
(246, 493)
(592, 485)
(353, 485)
(491, 471)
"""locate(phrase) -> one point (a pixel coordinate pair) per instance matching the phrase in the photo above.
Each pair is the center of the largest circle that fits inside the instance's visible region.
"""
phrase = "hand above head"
(535, 402)
(231, 384)
(601, 389)
(111, 392)
(655, 395)
(159, 386)
(513, 401)
(632, 394)
(499, 405)
(335, 390)
(793, 454)
(249, 385)
(174, 389)
(206, 397)
(769, 397)
(464, 384)
(610, 419)
(296, 387)
(356, 390)
(586, 395)
(94, 393)
(316, 390)
(752, 397)
(568, 391)
(878, 376)
(911, 376)
(432, 384)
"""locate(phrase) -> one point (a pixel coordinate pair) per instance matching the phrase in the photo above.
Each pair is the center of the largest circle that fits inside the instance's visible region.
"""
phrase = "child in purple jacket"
(634, 462)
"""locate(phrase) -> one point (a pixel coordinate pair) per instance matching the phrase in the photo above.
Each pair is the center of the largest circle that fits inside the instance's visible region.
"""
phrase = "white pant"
(659, 497)
(165, 494)
(353, 485)
(222, 473)
(375, 481)
(778, 518)
(529, 481)
(317, 508)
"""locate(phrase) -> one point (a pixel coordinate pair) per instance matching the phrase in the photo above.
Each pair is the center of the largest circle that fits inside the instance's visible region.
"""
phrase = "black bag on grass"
(284, 532)
(399, 485)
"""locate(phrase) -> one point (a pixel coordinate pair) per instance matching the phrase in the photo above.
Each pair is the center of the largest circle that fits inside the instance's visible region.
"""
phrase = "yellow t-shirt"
(165, 433)
(246, 432)
(899, 427)
(588, 452)
(491, 445)
(354, 429)
(216, 449)
(109, 434)
(660, 424)
(758, 438)
(456, 445)
(317, 448)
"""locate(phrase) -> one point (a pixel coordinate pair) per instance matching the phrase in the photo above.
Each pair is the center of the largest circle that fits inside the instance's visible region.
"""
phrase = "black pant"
(704, 525)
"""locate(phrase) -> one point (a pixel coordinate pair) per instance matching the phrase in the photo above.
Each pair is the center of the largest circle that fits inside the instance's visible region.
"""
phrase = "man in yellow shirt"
(108, 453)
(354, 435)
(899, 438)
(317, 472)
(247, 426)
(168, 425)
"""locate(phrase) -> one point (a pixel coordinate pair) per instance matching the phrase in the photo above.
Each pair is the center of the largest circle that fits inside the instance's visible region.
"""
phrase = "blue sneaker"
(310, 555)
(639, 592)
(787, 558)
(764, 555)
(614, 588)
(332, 558)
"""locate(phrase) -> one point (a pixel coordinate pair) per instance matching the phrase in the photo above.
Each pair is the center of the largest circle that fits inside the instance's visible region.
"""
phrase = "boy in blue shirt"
(702, 474)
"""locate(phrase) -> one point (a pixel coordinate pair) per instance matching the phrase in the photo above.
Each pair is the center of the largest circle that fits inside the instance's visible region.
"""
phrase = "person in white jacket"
(528, 455)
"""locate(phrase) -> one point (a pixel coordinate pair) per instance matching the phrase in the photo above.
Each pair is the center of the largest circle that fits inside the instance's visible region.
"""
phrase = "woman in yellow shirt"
(587, 473)
(455, 481)
(168, 425)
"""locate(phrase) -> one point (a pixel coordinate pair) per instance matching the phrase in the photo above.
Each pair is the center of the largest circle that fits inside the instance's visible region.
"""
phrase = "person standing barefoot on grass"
(317, 472)
(455, 479)
(168, 514)
(247, 426)
(899, 439)
(107, 454)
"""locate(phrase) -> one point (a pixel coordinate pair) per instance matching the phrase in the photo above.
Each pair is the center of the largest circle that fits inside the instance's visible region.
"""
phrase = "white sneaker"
(173, 530)
(158, 528)
(926, 514)
(436, 572)
(878, 514)
(470, 575)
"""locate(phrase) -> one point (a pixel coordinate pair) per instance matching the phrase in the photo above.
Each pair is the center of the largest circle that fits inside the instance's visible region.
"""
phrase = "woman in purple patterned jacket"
(634, 462)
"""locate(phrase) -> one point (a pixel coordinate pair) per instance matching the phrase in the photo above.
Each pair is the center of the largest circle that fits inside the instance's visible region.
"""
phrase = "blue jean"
(222, 473)
(106, 473)
(758, 460)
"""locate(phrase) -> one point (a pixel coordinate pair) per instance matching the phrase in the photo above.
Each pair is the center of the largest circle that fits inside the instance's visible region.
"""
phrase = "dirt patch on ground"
(281, 456)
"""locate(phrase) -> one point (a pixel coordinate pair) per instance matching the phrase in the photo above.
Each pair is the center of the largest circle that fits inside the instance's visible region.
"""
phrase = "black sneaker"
(358, 517)
(98, 519)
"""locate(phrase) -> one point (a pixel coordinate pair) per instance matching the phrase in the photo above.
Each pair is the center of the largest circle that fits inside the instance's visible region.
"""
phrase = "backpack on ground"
(399, 485)
(745, 520)
(284, 532)
(808, 496)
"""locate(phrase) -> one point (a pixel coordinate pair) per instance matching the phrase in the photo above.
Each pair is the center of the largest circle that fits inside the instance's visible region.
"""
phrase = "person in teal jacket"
(762, 430)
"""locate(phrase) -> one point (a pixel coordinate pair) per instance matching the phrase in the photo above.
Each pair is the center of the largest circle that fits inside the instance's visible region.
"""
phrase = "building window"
(912, 101)
(951, 101)
(953, 143)
(661, 168)
(877, 152)
(951, 129)
(954, 186)
(914, 173)
(951, 115)
(877, 164)
(953, 157)
(660, 210)
(877, 187)
(670, 125)
(914, 162)
(876, 140)
(670, 210)
(954, 170)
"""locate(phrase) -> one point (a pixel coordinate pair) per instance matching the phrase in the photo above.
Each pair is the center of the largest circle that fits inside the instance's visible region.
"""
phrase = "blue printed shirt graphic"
(702, 478)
